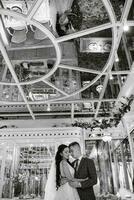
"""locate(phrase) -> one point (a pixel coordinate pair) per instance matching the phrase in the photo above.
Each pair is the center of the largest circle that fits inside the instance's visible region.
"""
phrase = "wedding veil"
(50, 189)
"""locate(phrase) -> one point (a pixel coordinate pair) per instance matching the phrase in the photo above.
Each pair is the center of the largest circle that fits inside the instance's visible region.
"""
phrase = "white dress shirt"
(79, 160)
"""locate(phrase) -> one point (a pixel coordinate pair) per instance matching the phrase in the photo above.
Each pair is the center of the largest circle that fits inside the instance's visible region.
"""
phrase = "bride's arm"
(65, 172)
(80, 179)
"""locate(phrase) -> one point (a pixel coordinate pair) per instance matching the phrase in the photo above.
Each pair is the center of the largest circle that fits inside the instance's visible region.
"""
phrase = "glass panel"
(92, 50)
(94, 90)
(42, 14)
(24, 168)
(10, 93)
(131, 12)
(124, 164)
(33, 168)
(79, 15)
(105, 109)
(118, 7)
(113, 88)
(40, 91)
(6, 172)
(123, 60)
(32, 70)
(99, 151)
(130, 42)
(30, 38)
(5, 74)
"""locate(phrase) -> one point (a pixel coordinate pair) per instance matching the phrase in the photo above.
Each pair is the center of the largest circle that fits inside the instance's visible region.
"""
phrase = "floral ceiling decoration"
(121, 107)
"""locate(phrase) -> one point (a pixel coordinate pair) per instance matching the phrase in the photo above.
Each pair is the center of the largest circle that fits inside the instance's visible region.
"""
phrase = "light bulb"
(110, 76)
(126, 28)
(99, 88)
(100, 120)
(48, 107)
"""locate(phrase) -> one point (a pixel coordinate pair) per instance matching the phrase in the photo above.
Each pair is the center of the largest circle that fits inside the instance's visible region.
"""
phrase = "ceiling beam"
(40, 45)
(47, 114)
(110, 60)
(128, 87)
(79, 69)
(121, 72)
(84, 32)
(3, 33)
(123, 20)
(102, 94)
(127, 51)
(6, 103)
(125, 72)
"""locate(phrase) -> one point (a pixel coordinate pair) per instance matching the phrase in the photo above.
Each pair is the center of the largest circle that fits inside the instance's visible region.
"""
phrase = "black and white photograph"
(66, 99)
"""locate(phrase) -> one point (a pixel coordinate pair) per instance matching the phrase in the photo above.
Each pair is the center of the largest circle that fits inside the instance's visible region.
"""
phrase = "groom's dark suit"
(86, 169)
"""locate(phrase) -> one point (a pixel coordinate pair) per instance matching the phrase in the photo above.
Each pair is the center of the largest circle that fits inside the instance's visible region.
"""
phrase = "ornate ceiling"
(79, 72)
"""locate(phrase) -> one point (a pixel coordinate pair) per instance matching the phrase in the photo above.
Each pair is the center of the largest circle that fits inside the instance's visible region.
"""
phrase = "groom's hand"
(75, 184)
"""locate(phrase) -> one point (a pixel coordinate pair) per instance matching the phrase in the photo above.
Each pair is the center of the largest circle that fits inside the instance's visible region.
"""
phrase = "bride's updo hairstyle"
(58, 159)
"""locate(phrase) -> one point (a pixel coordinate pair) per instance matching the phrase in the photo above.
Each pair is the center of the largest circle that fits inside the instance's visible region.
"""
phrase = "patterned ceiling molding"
(41, 133)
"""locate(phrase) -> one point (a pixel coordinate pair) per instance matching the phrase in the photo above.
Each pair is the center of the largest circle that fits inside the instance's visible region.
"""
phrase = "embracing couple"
(71, 181)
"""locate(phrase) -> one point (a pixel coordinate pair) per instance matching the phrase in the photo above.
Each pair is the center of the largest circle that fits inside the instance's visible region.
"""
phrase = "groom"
(84, 167)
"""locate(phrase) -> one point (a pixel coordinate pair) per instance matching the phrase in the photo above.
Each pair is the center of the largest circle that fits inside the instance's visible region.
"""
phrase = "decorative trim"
(40, 133)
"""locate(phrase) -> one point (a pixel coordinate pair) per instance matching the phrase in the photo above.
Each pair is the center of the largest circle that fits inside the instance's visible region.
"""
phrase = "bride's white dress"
(65, 191)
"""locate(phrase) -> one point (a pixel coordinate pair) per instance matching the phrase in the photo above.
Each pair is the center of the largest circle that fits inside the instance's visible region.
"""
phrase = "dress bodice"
(71, 169)
(64, 169)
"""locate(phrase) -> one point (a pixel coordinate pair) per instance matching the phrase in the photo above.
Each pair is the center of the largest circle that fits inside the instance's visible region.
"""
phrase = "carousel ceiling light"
(111, 76)
(100, 120)
(48, 107)
(99, 88)
(126, 28)
(7, 96)
(36, 178)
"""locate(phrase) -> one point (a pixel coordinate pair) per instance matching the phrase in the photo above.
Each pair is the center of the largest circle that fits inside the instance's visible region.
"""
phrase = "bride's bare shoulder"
(63, 162)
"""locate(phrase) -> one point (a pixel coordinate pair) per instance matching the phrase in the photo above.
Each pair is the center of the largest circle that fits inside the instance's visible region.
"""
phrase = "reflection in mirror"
(99, 151)
(123, 165)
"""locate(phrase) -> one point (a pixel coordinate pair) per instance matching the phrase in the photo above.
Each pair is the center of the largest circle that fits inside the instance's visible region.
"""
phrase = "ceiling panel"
(67, 58)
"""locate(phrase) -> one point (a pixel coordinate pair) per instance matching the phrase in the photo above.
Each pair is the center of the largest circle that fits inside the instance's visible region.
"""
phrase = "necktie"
(76, 164)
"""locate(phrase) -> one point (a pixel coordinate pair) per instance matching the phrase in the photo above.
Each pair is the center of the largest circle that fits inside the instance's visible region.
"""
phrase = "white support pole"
(72, 112)
(2, 170)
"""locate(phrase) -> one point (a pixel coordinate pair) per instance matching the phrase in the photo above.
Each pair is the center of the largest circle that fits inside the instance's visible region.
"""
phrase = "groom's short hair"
(73, 144)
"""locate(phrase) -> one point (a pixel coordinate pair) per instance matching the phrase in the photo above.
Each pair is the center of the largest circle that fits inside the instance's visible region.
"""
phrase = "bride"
(61, 168)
